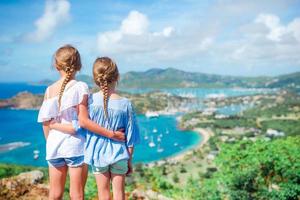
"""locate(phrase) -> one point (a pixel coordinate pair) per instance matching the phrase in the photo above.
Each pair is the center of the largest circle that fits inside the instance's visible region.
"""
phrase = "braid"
(69, 72)
(105, 74)
(104, 87)
(66, 59)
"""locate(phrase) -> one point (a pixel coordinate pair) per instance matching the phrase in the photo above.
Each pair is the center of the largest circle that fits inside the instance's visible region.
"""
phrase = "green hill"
(175, 78)
(289, 81)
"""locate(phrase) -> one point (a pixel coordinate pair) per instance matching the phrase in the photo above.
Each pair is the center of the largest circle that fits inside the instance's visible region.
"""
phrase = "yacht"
(150, 114)
(159, 149)
(36, 154)
(146, 136)
(151, 143)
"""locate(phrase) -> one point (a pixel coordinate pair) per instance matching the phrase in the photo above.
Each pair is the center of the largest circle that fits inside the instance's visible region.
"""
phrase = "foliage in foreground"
(259, 170)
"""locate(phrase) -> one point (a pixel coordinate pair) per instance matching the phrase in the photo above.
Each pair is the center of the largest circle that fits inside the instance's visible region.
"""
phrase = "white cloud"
(276, 30)
(55, 14)
(265, 42)
(133, 36)
(136, 23)
(167, 32)
(136, 44)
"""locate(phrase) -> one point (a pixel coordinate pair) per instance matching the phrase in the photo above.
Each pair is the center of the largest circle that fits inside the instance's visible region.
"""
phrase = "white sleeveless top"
(60, 144)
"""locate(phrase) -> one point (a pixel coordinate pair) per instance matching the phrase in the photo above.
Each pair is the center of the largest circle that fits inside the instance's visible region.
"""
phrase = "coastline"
(205, 134)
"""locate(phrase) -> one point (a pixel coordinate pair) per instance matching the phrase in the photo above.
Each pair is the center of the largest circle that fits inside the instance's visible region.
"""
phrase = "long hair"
(67, 58)
(106, 73)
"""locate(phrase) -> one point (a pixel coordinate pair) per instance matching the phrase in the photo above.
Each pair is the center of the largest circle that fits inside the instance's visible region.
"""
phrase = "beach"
(205, 135)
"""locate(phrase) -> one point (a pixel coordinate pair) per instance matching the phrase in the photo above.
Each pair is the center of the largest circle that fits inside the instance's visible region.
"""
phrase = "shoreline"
(205, 134)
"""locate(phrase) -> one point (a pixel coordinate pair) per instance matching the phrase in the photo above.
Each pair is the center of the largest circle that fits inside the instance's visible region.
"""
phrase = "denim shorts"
(70, 162)
(120, 167)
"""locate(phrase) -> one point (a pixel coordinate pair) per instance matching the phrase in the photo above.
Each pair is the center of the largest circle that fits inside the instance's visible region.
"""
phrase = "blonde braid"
(69, 72)
(67, 59)
(104, 87)
(106, 74)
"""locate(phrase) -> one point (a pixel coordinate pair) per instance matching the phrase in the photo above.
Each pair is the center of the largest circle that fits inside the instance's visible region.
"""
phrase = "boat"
(167, 131)
(36, 154)
(151, 114)
(151, 143)
(158, 139)
(159, 149)
(154, 130)
(146, 136)
(36, 151)
(175, 144)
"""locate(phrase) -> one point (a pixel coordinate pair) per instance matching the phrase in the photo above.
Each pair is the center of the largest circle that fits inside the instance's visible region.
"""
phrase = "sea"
(22, 140)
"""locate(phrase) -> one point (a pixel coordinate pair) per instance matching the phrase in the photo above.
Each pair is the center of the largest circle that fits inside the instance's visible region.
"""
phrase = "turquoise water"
(21, 126)
(8, 90)
(206, 92)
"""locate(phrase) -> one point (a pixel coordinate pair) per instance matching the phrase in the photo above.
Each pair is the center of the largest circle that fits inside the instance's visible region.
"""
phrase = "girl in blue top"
(110, 159)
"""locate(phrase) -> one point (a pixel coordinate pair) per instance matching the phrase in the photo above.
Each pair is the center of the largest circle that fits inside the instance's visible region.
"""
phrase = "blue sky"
(244, 38)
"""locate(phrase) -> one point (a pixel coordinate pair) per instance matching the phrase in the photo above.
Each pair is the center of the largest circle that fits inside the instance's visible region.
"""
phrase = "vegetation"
(259, 170)
(7, 170)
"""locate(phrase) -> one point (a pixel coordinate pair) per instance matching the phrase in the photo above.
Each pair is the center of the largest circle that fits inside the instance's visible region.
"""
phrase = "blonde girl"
(110, 160)
(65, 148)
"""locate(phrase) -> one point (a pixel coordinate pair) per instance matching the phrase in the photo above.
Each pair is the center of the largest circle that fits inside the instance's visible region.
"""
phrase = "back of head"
(106, 73)
(67, 59)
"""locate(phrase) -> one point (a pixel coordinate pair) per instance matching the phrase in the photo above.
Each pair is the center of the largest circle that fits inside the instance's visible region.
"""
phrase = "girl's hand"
(118, 135)
(52, 124)
(130, 168)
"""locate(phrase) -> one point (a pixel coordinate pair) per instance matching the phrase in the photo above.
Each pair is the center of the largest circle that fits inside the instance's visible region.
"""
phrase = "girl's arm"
(85, 122)
(46, 123)
(130, 151)
(65, 128)
(46, 129)
(130, 168)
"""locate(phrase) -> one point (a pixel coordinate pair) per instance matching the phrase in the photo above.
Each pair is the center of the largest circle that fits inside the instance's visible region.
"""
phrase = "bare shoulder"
(53, 89)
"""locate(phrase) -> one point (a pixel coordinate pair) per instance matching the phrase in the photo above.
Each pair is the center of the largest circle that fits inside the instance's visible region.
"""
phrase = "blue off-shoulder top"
(101, 151)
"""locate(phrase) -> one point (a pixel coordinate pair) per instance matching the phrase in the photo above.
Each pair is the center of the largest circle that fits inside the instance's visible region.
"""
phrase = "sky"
(241, 38)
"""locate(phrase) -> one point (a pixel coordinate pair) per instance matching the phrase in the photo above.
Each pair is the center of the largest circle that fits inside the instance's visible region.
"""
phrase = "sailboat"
(151, 143)
(158, 139)
(36, 154)
(159, 149)
(154, 130)
(167, 131)
(146, 136)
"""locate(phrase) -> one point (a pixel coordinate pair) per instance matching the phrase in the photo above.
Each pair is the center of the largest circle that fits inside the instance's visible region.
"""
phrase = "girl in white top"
(65, 147)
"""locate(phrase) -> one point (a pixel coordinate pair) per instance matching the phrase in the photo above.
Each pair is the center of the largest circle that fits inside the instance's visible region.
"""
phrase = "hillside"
(174, 78)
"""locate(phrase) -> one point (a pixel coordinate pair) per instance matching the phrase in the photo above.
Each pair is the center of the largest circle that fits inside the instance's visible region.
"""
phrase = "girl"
(64, 149)
(110, 160)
